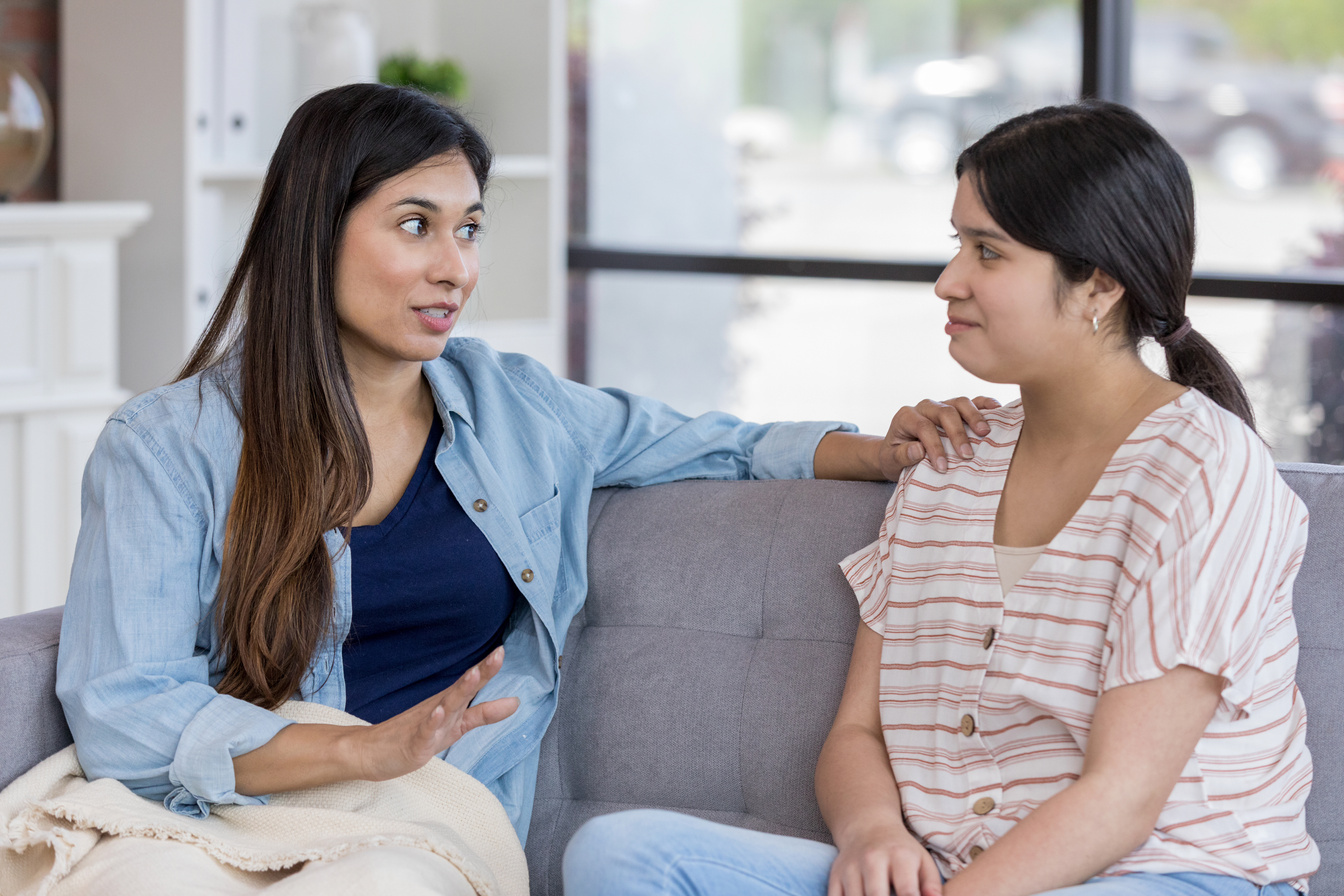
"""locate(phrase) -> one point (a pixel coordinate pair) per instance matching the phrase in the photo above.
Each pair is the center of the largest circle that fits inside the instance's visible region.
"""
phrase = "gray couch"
(705, 670)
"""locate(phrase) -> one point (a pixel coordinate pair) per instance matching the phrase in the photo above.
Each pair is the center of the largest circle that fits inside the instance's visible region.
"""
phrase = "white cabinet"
(58, 362)
(142, 86)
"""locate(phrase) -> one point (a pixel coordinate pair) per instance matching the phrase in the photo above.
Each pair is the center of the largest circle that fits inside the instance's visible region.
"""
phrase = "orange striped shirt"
(1185, 553)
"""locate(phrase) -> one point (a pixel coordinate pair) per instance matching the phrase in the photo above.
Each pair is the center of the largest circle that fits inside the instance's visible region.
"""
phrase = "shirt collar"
(449, 396)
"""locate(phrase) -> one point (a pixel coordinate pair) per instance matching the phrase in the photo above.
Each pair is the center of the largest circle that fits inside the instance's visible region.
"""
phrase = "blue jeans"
(651, 852)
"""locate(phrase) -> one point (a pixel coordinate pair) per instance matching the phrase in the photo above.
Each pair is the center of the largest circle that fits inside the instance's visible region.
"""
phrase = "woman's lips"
(440, 320)
(954, 327)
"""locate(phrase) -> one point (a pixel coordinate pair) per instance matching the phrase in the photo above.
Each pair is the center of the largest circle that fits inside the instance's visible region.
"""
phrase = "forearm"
(304, 756)
(1064, 842)
(1142, 736)
(855, 787)
(848, 455)
(299, 756)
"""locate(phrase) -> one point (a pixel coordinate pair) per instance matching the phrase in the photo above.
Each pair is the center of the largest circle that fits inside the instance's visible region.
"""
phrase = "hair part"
(1098, 188)
(305, 466)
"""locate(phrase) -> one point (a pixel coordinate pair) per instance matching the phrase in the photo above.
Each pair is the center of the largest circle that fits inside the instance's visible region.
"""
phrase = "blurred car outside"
(1254, 123)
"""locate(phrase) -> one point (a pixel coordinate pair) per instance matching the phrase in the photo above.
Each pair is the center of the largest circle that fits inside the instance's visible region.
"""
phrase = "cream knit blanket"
(436, 830)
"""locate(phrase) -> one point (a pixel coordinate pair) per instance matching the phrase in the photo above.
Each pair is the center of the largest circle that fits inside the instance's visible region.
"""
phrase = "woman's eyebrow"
(430, 205)
(980, 233)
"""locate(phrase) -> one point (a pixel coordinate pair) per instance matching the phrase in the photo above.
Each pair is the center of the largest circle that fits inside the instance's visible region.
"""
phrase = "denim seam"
(160, 455)
(551, 406)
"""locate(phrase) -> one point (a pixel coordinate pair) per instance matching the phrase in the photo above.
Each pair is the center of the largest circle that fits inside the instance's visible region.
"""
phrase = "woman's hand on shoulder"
(410, 739)
(916, 432)
(883, 860)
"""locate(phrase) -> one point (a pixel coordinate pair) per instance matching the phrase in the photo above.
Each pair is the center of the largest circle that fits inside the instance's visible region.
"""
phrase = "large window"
(729, 154)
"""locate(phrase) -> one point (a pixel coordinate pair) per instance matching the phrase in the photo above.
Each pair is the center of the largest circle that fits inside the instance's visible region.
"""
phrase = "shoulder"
(189, 425)
(1228, 469)
(1210, 439)
(482, 366)
(1005, 423)
(991, 455)
(469, 352)
(185, 398)
(481, 377)
(206, 401)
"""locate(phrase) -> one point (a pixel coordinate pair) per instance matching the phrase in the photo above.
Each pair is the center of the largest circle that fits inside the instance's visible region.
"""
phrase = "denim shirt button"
(526, 575)
(479, 505)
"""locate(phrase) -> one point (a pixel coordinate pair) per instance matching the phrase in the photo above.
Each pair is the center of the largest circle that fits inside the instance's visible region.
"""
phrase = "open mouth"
(438, 320)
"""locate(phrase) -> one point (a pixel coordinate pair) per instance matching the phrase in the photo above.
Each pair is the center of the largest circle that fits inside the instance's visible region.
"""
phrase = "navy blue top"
(430, 598)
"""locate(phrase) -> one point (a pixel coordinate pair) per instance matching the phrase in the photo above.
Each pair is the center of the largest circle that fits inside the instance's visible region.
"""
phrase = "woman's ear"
(1103, 292)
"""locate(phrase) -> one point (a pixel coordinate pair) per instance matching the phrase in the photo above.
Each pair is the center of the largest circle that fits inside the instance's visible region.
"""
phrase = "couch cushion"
(706, 668)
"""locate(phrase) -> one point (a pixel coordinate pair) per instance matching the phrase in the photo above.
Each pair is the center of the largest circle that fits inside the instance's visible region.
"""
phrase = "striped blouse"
(1184, 553)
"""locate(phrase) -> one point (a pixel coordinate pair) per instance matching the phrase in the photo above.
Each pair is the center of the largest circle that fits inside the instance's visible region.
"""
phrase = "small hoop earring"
(1094, 325)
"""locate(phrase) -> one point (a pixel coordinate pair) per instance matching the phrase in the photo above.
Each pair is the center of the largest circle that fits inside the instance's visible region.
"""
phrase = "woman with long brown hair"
(337, 503)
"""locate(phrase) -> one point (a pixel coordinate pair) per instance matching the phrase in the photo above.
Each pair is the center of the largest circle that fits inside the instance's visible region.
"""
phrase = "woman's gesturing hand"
(916, 432)
(407, 741)
(881, 862)
(306, 755)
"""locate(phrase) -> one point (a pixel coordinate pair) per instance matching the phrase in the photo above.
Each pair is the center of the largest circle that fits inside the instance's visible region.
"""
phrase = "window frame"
(1106, 34)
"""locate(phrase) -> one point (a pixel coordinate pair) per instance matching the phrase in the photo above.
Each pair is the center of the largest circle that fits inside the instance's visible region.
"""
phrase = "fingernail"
(967, 451)
(940, 465)
(982, 428)
(917, 452)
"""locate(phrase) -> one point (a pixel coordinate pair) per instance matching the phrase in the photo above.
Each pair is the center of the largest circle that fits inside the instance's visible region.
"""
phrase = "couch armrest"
(32, 725)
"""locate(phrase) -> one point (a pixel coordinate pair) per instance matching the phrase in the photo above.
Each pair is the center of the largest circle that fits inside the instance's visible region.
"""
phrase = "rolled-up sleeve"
(133, 671)
(633, 440)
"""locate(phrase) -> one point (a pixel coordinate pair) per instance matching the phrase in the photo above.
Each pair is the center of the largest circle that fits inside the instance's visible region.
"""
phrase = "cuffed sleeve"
(133, 673)
(869, 569)
(787, 449)
(202, 769)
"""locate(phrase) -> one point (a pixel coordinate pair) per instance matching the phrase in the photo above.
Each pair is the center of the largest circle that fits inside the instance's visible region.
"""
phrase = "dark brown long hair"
(305, 467)
(1097, 187)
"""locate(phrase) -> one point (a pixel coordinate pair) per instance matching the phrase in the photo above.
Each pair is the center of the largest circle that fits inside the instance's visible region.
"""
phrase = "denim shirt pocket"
(541, 525)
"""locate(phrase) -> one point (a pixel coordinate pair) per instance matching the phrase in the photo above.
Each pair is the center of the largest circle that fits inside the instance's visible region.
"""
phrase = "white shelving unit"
(145, 83)
(58, 361)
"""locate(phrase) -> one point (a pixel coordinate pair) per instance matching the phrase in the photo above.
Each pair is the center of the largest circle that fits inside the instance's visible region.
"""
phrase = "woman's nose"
(950, 284)
(453, 267)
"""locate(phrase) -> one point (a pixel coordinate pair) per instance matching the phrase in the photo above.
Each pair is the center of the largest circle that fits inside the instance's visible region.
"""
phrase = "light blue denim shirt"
(140, 655)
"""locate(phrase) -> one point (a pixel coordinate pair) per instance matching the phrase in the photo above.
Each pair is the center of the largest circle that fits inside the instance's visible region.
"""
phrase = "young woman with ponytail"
(1074, 669)
(338, 503)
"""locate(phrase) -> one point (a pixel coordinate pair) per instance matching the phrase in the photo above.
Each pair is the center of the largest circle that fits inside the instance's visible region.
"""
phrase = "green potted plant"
(441, 77)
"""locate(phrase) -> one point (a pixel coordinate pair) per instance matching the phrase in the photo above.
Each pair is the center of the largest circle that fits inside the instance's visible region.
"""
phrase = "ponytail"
(1193, 361)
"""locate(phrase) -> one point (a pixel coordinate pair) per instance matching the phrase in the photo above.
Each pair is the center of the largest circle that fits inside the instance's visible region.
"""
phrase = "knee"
(624, 852)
